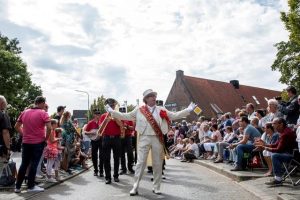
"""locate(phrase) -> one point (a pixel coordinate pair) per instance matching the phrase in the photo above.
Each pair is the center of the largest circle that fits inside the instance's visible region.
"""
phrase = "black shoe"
(123, 172)
(274, 182)
(108, 181)
(131, 171)
(95, 173)
(116, 179)
(235, 169)
(101, 175)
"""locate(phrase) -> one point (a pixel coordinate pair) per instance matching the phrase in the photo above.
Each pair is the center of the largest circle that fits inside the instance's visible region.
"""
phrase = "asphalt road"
(183, 181)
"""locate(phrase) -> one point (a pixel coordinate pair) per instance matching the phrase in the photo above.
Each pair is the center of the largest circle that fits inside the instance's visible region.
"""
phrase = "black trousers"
(97, 152)
(189, 156)
(31, 154)
(126, 146)
(108, 144)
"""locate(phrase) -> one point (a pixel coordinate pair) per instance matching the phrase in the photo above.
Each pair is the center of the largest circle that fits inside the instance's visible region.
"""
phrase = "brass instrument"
(112, 103)
(103, 125)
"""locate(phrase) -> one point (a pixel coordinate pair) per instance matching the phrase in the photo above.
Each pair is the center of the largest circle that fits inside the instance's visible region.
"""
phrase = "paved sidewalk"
(254, 182)
(8, 192)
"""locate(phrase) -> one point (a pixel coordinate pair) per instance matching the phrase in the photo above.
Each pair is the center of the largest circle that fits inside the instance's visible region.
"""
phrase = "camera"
(278, 98)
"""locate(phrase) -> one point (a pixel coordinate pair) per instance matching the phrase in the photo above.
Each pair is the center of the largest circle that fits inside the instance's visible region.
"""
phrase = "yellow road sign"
(198, 110)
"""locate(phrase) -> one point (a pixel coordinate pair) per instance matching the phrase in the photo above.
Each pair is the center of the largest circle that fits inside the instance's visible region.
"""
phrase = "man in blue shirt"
(246, 144)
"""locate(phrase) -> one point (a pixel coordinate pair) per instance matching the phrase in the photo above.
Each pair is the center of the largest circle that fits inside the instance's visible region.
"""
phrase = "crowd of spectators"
(270, 132)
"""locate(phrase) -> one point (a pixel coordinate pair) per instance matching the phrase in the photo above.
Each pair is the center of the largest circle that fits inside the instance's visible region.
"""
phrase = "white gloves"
(191, 107)
(108, 108)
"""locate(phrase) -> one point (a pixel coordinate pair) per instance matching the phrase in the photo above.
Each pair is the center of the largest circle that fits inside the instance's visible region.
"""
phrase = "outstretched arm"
(181, 114)
(125, 116)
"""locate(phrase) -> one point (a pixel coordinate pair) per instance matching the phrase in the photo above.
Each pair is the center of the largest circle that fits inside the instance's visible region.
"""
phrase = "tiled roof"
(213, 96)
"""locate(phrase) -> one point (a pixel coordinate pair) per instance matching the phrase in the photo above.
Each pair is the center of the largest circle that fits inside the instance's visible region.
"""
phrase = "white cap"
(148, 92)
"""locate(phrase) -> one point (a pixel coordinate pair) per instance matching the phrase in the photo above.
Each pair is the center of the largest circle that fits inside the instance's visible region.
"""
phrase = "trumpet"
(112, 103)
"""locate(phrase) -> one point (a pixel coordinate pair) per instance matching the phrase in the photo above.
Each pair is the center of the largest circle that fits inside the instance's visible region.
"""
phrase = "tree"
(98, 104)
(15, 80)
(130, 108)
(288, 55)
(10, 45)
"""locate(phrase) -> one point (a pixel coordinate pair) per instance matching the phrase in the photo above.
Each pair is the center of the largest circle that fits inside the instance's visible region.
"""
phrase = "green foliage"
(284, 96)
(9, 45)
(288, 55)
(15, 80)
(130, 108)
(98, 104)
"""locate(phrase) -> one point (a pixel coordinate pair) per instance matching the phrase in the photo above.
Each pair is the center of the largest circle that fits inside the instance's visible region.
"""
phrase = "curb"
(57, 183)
(239, 178)
(45, 185)
(286, 197)
(236, 176)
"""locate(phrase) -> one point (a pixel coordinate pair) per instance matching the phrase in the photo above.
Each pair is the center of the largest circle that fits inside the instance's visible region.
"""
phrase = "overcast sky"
(121, 48)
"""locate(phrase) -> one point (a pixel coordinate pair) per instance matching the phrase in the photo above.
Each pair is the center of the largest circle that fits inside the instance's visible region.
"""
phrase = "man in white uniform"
(149, 136)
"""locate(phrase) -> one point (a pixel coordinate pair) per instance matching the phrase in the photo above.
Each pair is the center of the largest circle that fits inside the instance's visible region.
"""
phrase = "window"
(255, 99)
(216, 108)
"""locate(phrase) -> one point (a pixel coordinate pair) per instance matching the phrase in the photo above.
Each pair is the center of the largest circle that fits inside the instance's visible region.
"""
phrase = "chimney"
(179, 73)
(235, 84)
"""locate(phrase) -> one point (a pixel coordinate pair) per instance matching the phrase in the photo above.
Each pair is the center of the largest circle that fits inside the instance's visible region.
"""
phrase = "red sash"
(148, 115)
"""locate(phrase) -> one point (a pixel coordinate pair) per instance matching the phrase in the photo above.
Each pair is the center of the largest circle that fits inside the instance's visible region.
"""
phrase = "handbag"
(8, 173)
(256, 162)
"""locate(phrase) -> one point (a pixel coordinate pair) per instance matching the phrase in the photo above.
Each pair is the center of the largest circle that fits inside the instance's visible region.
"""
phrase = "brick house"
(214, 97)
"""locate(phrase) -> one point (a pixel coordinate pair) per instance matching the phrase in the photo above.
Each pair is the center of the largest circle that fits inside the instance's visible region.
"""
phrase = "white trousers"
(144, 144)
(52, 162)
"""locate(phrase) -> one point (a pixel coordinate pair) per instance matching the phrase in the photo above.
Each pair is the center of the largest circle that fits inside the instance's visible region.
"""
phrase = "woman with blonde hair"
(68, 139)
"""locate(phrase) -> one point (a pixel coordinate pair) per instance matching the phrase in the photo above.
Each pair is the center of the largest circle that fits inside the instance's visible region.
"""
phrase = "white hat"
(148, 92)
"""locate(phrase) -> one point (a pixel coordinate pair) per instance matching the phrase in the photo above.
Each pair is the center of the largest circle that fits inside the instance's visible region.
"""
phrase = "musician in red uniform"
(126, 146)
(96, 142)
(111, 134)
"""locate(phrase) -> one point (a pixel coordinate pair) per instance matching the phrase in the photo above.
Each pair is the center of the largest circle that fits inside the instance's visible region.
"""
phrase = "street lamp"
(125, 104)
(88, 117)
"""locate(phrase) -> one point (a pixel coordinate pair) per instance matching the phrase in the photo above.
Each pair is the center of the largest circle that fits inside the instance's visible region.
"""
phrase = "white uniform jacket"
(142, 124)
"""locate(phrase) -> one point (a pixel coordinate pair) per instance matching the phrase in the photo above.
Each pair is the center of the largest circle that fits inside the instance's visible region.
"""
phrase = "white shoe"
(134, 191)
(212, 158)
(156, 191)
(39, 176)
(17, 190)
(51, 180)
(36, 189)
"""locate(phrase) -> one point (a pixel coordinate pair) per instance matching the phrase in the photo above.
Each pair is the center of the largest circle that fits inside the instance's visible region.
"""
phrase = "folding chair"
(291, 167)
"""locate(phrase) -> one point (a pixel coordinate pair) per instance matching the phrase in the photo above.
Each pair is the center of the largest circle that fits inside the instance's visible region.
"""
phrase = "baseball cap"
(96, 112)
